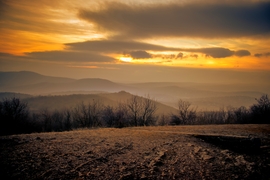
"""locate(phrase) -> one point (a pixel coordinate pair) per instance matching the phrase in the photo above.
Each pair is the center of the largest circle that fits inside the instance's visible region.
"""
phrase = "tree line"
(258, 113)
(16, 118)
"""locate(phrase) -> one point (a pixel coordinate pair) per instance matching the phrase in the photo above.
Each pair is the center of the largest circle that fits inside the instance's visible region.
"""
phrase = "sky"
(138, 40)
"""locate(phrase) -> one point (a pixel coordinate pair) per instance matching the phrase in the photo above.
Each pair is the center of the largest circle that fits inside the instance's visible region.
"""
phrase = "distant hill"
(33, 83)
(60, 102)
(24, 78)
(202, 95)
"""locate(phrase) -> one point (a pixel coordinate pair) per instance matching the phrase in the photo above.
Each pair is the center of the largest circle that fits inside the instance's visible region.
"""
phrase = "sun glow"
(125, 59)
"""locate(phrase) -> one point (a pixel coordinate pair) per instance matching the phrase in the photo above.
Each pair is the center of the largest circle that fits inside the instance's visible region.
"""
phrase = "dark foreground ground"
(138, 153)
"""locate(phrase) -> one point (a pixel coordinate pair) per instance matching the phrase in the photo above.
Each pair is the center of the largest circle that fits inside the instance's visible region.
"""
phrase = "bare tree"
(231, 115)
(163, 120)
(148, 109)
(135, 107)
(186, 113)
(108, 116)
(67, 119)
(46, 119)
(80, 115)
(88, 115)
(121, 116)
(241, 115)
(57, 118)
(95, 109)
(222, 115)
(142, 110)
(260, 112)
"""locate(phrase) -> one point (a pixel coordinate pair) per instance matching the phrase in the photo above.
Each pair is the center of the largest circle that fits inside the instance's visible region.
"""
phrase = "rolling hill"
(36, 84)
(61, 102)
(204, 96)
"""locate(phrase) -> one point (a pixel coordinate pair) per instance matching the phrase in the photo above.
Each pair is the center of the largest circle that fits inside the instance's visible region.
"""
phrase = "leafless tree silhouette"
(186, 113)
(142, 110)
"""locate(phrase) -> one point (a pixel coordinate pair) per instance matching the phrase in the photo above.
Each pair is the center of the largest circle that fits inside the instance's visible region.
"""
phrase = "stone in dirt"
(207, 157)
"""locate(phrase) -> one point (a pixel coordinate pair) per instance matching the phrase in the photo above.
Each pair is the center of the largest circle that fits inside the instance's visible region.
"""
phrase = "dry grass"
(133, 153)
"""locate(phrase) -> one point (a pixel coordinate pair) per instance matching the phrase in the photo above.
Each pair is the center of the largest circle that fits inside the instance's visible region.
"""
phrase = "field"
(169, 152)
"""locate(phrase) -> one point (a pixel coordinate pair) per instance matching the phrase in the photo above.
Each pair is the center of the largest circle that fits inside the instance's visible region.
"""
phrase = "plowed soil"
(170, 152)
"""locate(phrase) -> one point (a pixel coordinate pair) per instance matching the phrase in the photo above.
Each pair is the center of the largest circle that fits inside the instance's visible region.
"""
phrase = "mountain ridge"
(37, 84)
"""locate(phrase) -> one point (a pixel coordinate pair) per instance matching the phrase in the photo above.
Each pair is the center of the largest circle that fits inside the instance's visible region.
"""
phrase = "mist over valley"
(203, 96)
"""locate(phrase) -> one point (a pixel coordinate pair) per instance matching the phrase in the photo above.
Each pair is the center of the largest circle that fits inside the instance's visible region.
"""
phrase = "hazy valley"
(34, 87)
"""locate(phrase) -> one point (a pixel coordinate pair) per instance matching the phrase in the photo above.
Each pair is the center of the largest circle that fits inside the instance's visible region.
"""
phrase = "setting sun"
(126, 59)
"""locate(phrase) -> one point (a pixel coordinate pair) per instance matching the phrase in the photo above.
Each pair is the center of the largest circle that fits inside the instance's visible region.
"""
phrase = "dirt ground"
(169, 152)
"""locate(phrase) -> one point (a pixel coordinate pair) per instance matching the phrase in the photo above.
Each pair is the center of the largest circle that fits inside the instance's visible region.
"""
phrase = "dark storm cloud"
(116, 46)
(68, 56)
(219, 19)
(140, 55)
(242, 53)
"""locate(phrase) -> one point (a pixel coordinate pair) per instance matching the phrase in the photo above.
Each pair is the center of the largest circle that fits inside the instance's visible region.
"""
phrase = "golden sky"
(104, 38)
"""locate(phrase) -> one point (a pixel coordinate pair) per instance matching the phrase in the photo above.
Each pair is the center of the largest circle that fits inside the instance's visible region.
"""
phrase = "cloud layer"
(259, 55)
(109, 46)
(139, 49)
(69, 56)
(60, 56)
(140, 55)
(219, 19)
(157, 32)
